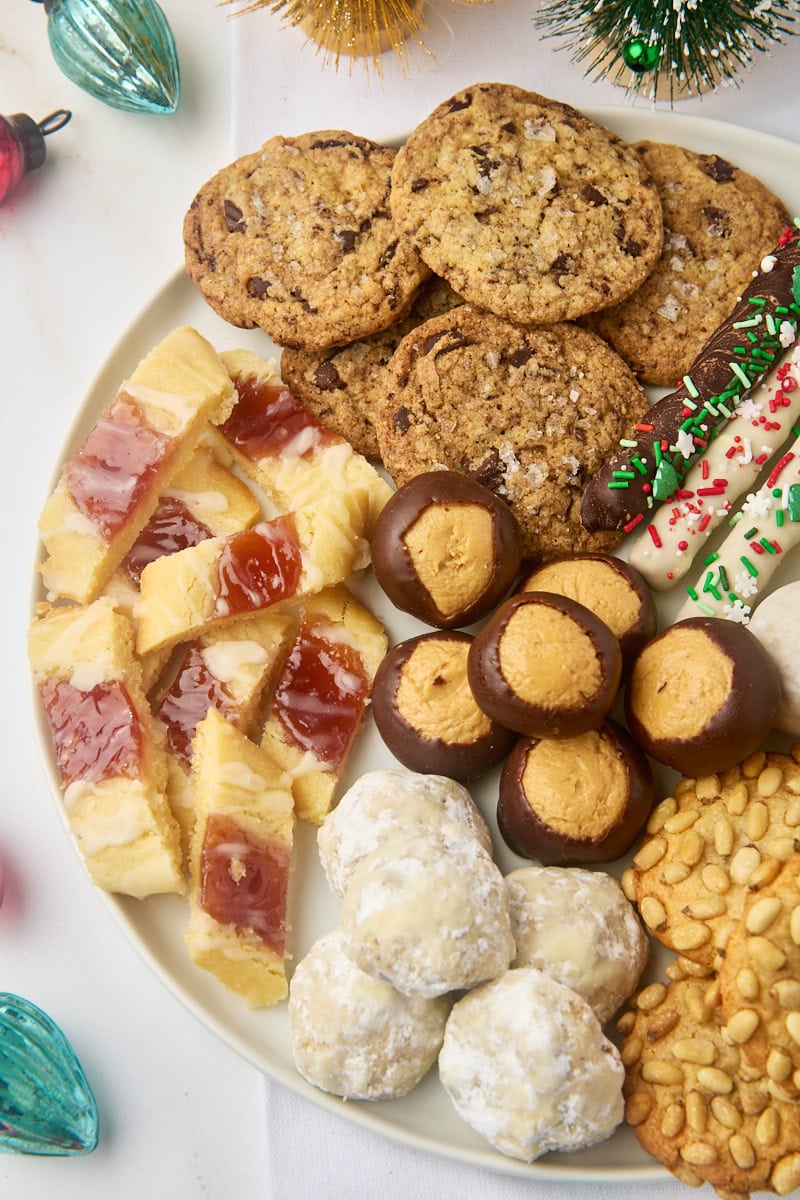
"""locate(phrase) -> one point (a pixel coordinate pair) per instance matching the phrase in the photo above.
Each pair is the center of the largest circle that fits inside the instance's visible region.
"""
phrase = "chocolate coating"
(571, 668)
(573, 575)
(702, 696)
(531, 832)
(474, 588)
(613, 507)
(425, 712)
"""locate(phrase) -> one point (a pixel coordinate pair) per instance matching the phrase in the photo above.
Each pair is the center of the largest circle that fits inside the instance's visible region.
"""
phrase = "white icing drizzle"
(181, 408)
(117, 819)
(227, 659)
(200, 504)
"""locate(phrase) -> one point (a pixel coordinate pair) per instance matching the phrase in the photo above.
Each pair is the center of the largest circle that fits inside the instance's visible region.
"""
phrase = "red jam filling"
(96, 734)
(321, 695)
(267, 418)
(193, 692)
(243, 881)
(110, 473)
(171, 528)
(259, 567)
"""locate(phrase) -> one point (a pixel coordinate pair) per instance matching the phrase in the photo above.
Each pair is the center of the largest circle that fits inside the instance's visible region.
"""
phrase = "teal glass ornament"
(46, 1104)
(640, 56)
(119, 51)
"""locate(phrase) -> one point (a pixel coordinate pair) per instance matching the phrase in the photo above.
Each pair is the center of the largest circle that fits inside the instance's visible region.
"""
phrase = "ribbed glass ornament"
(46, 1104)
(120, 51)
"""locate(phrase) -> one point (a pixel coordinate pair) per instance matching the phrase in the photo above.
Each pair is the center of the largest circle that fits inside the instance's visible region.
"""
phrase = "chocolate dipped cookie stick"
(649, 466)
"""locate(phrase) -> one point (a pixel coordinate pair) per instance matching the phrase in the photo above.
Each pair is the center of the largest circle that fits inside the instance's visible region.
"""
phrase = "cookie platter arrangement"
(418, 689)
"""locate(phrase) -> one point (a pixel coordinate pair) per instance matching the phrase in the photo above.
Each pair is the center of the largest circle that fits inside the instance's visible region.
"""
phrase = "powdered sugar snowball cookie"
(527, 1066)
(578, 927)
(427, 912)
(354, 1035)
(385, 802)
(776, 624)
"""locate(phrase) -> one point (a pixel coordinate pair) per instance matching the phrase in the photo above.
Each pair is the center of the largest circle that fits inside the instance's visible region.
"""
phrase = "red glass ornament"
(22, 147)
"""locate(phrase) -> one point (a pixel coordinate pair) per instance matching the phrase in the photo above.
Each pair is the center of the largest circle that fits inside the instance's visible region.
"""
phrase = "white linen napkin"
(281, 84)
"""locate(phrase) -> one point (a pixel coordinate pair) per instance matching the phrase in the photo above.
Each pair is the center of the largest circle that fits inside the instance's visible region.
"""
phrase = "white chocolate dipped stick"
(666, 547)
(764, 531)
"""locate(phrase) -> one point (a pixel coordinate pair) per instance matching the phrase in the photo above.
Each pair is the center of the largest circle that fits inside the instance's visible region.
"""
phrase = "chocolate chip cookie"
(525, 206)
(298, 239)
(344, 386)
(719, 222)
(526, 411)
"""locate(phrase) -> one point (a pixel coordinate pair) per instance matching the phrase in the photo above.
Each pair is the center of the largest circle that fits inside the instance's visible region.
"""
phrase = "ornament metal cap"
(33, 133)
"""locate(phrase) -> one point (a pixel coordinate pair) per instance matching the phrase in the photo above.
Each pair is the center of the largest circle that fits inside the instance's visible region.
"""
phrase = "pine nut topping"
(661, 814)
(779, 1065)
(676, 872)
(715, 1080)
(694, 1050)
(723, 837)
(696, 1112)
(765, 953)
(737, 798)
(638, 1108)
(743, 863)
(705, 910)
(698, 1154)
(657, 1070)
(753, 766)
(691, 848)
(786, 992)
(650, 854)
(628, 884)
(681, 821)
(765, 873)
(794, 925)
(673, 1120)
(793, 1025)
(747, 983)
(785, 1175)
(762, 914)
(662, 1023)
(770, 780)
(690, 935)
(792, 814)
(742, 1025)
(756, 822)
(707, 788)
(716, 879)
(651, 996)
(781, 848)
(631, 1051)
(742, 1151)
(726, 1113)
(653, 913)
(768, 1127)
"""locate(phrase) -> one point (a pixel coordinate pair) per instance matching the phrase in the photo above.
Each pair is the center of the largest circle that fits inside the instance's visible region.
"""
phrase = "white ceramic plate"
(425, 1119)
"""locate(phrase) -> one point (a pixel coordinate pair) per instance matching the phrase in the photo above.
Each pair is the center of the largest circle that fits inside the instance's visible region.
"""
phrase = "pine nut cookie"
(528, 411)
(695, 1104)
(760, 978)
(298, 239)
(525, 206)
(344, 386)
(719, 222)
(708, 845)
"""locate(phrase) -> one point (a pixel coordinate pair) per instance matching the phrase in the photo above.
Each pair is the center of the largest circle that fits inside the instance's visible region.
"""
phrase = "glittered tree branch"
(668, 46)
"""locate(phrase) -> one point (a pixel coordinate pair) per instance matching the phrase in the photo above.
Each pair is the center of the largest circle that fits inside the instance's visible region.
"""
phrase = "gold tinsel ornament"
(356, 28)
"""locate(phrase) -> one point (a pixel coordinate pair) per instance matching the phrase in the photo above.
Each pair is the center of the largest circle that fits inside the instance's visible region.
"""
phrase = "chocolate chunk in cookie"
(527, 207)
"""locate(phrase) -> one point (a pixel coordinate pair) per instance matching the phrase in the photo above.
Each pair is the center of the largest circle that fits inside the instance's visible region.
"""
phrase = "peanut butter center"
(452, 549)
(434, 696)
(578, 786)
(548, 659)
(596, 586)
(679, 683)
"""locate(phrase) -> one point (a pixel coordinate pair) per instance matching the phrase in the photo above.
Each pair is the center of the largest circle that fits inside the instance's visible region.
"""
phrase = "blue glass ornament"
(46, 1104)
(119, 51)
